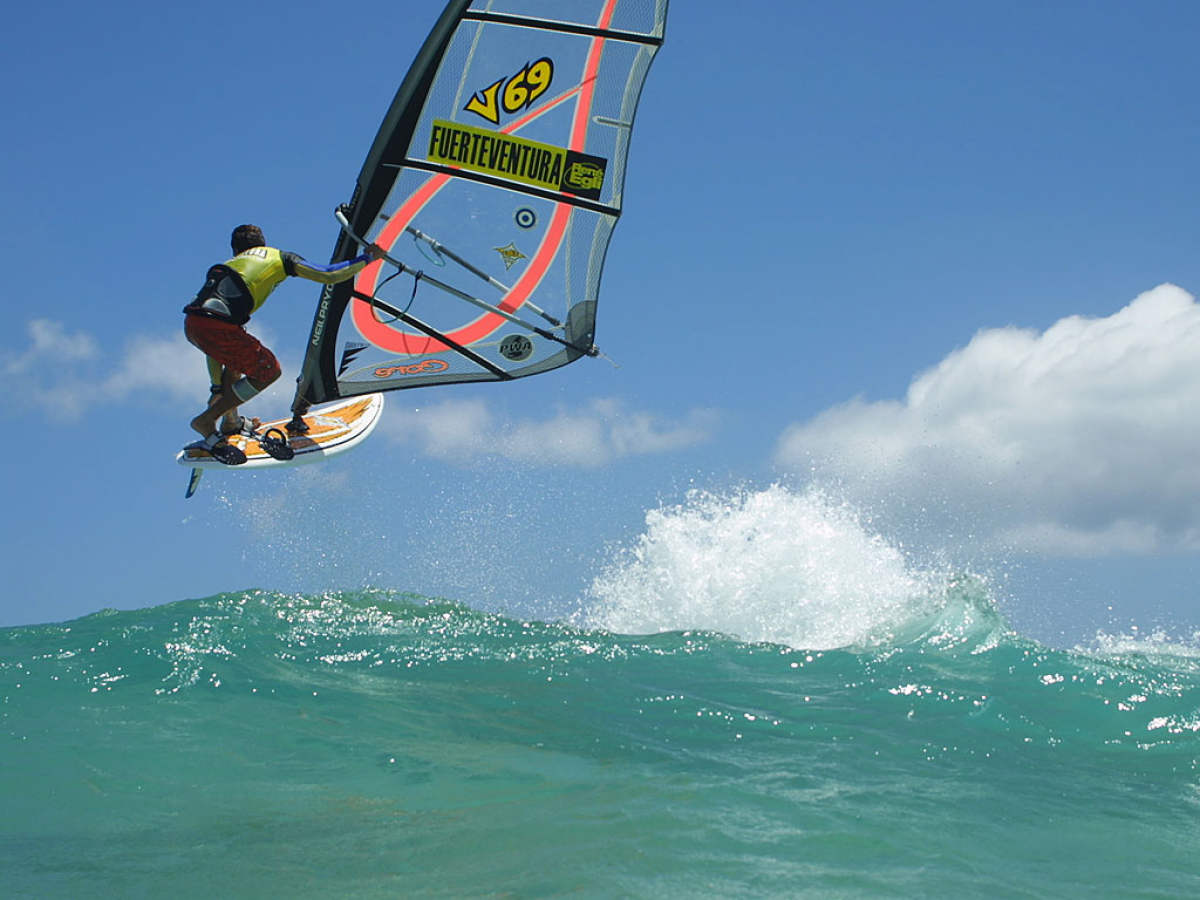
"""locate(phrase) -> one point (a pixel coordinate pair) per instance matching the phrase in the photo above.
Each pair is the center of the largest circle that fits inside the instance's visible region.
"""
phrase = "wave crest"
(787, 567)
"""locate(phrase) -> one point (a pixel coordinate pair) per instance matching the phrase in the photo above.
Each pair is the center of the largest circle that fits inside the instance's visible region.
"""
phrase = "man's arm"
(331, 274)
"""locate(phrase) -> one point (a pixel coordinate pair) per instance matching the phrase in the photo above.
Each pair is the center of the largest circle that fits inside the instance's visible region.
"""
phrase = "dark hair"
(246, 236)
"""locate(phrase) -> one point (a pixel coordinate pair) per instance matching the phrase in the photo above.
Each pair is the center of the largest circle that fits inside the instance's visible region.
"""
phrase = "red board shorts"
(232, 346)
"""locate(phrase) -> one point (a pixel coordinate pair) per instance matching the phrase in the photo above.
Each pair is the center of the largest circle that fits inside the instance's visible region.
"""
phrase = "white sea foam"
(1180, 653)
(778, 565)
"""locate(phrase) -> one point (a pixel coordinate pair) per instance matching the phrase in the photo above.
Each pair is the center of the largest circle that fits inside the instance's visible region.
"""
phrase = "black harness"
(224, 296)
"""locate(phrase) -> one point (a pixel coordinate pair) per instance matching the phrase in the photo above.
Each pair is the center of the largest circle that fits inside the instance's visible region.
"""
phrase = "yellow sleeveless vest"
(262, 269)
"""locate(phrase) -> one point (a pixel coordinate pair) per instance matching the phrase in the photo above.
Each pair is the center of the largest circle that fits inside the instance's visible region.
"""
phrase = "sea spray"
(777, 565)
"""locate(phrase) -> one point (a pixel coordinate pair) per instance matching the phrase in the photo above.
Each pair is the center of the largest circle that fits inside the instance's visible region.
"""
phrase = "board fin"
(193, 483)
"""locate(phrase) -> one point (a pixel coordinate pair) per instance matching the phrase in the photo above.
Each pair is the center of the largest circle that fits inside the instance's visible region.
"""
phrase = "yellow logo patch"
(519, 91)
(516, 159)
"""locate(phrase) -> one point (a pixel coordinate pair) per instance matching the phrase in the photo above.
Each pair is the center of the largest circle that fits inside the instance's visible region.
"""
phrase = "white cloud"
(462, 431)
(166, 366)
(49, 341)
(64, 374)
(1082, 440)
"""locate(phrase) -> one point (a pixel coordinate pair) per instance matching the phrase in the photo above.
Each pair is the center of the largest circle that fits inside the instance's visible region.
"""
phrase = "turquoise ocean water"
(871, 731)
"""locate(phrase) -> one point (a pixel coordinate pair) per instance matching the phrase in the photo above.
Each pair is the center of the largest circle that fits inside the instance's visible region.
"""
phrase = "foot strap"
(243, 426)
(275, 442)
(223, 451)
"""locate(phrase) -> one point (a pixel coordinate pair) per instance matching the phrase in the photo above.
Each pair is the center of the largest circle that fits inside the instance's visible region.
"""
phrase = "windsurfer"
(239, 366)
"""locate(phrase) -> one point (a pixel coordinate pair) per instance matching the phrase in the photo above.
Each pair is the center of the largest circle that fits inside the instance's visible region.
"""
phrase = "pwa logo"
(424, 367)
(515, 93)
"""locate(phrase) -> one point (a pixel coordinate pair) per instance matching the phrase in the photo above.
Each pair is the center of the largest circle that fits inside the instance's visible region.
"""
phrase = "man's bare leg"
(231, 422)
(225, 402)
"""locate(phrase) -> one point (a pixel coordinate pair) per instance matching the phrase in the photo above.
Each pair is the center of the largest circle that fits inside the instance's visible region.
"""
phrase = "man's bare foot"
(236, 424)
(204, 425)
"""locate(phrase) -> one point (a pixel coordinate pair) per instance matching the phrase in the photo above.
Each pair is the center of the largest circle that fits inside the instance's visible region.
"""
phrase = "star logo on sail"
(510, 255)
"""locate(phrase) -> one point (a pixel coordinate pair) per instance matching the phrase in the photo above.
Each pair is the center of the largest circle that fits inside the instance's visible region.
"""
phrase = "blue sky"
(939, 258)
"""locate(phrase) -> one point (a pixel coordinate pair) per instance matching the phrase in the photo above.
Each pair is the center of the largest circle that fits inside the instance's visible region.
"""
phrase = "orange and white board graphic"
(331, 430)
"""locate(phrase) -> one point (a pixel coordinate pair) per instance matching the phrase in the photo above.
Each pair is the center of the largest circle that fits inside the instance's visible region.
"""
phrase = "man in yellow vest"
(238, 364)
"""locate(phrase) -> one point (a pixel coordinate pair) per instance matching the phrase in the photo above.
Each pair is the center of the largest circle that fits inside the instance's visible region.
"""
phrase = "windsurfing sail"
(494, 185)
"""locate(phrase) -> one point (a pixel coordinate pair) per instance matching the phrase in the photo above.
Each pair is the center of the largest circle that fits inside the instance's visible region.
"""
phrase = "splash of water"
(776, 565)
